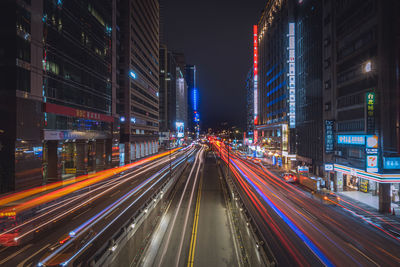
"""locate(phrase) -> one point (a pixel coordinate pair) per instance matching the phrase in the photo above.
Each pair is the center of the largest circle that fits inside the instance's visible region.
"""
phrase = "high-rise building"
(250, 103)
(309, 126)
(276, 85)
(181, 96)
(57, 91)
(182, 89)
(139, 78)
(361, 96)
(173, 99)
(167, 89)
(193, 101)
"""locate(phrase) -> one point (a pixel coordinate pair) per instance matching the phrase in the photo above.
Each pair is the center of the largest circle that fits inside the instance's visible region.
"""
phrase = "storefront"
(349, 179)
(68, 154)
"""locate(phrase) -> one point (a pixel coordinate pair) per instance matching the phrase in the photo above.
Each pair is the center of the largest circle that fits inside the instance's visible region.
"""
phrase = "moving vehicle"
(289, 177)
(326, 197)
(314, 185)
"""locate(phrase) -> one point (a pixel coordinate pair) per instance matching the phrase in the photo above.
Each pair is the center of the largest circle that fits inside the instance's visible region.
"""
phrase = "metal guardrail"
(259, 241)
(106, 254)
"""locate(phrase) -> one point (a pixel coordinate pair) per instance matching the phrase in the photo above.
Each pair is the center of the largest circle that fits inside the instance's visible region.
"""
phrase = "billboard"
(180, 129)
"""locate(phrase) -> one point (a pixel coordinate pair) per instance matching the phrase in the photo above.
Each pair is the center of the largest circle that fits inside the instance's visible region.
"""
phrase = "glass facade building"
(193, 100)
(173, 97)
(276, 81)
(59, 84)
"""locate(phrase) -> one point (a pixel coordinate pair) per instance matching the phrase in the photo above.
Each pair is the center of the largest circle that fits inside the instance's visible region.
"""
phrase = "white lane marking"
(15, 254)
(116, 192)
(22, 263)
(359, 251)
(111, 213)
(81, 214)
(167, 241)
(189, 208)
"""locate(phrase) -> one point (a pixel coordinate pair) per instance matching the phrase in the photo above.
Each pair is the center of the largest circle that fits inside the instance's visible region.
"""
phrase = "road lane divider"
(190, 204)
(164, 251)
(195, 225)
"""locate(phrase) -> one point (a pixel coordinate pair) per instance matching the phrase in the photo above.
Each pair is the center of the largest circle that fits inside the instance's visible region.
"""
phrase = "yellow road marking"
(195, 224)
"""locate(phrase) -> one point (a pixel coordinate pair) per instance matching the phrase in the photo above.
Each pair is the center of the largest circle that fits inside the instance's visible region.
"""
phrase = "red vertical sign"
(255, 71)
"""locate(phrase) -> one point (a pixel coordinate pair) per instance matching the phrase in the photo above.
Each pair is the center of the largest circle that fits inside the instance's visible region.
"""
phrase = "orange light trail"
(81, 183)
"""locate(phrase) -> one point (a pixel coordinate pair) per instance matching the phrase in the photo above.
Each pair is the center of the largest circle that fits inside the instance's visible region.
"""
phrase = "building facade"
(192, 99)
(182, 89)
(275, 122)
(361, 97)
(309, 122)
(138, 78)
(173, 98)
(58, 87)
(249, 87)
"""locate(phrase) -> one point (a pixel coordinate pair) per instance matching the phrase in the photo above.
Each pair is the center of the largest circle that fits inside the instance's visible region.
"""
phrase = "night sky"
(215, 35)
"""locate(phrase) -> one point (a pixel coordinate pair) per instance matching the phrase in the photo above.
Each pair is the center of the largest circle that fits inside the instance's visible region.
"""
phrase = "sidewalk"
(365, 200)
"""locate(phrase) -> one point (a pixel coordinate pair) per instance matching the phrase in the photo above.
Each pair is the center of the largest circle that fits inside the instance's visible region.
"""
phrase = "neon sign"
(292, 77)
(194, 99)
(351, 139)
(370, 101)
(255, 70)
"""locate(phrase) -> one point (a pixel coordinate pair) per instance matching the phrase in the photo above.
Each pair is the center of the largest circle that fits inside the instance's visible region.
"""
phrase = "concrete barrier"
(127, 245)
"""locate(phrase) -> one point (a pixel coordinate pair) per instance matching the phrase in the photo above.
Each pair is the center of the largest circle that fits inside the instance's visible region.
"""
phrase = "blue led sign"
(351, 139)
(391, 163)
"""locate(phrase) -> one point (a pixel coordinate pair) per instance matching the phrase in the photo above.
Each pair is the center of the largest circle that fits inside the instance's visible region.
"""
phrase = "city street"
(195, 230)
(101, 201)
(299, 228)
(208, 133)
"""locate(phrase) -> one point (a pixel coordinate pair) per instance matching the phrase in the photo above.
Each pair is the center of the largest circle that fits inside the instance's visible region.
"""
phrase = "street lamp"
(170, 163)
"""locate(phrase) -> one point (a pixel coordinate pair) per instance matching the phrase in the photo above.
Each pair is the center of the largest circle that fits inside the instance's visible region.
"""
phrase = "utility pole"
(170, 163)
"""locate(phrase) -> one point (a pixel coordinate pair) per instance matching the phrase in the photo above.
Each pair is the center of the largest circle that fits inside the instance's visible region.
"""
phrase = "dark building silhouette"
(309, 124)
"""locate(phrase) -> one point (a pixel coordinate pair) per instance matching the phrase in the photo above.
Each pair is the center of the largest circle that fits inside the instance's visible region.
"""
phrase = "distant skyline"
(216, 36)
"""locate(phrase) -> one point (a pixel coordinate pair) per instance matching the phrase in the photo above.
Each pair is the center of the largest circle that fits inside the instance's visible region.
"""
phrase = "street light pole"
(170, 163)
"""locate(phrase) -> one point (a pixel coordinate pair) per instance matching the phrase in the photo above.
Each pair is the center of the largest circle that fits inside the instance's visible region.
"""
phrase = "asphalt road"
(215, 244)
(303, 231)
(195, 230)
(31, 252)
